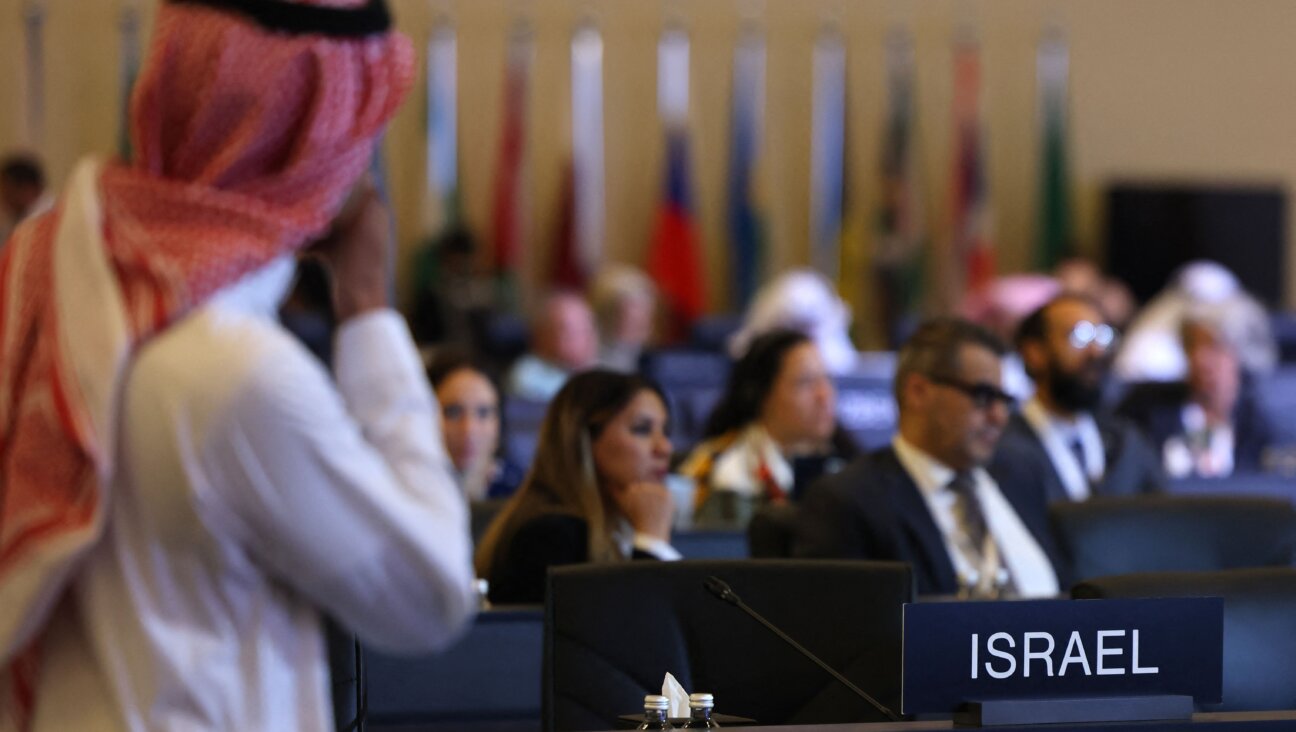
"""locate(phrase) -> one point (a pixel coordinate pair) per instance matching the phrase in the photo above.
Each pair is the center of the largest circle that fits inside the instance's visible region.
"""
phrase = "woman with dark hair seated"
(470, 423)
(773, 431)
(594, 493)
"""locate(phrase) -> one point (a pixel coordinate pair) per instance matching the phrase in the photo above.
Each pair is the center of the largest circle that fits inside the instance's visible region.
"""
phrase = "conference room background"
(1184, 91)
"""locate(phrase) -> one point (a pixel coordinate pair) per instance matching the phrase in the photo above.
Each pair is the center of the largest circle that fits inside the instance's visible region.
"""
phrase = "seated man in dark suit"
(1211, 425)
(1066, 347)
(928, 499)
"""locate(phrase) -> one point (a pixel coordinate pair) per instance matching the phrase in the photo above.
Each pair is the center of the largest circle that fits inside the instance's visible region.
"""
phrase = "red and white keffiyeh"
(246, 142)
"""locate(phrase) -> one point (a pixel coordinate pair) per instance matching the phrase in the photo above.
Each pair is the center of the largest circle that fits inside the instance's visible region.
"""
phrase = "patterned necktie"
(967, 510)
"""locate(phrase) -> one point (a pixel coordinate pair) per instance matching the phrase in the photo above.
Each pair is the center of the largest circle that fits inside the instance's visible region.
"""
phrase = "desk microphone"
(723, 591)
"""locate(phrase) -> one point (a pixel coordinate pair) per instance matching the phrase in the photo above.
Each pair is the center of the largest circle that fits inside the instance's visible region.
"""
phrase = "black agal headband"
(276, 15)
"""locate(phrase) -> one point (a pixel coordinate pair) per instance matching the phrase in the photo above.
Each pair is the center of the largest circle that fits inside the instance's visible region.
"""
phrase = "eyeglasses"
(983, 395)
(1085, 333)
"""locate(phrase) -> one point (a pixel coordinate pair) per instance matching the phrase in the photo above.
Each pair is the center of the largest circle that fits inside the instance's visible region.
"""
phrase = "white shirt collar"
(261, 291)
(1028, 566)
(1057, 434)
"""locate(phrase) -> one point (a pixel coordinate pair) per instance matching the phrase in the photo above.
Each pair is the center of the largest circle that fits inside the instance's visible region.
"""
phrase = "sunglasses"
(1085, 334)
(983, 395)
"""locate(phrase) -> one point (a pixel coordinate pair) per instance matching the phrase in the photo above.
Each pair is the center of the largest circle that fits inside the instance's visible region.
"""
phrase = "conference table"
(1204, 721)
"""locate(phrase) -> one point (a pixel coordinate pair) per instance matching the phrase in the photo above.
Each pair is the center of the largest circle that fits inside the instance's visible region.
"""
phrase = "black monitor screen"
(1155, 228)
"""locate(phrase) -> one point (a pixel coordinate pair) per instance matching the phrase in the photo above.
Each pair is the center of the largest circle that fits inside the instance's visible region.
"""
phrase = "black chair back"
(1111, 536)
(1259, 626)
(771, 531)
(612, 632)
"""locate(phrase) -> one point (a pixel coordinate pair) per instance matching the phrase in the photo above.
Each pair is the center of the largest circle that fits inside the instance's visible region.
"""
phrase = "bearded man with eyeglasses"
(968, 517)
(1066, 347)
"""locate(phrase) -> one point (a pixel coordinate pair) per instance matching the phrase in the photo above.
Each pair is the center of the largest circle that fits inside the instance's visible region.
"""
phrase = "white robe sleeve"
(344, 493)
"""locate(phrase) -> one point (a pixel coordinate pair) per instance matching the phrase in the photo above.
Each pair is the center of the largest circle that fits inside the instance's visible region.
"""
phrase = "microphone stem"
(863, 694)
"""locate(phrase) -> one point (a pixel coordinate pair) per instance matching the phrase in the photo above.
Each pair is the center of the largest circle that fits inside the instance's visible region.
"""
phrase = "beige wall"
(1160, 89)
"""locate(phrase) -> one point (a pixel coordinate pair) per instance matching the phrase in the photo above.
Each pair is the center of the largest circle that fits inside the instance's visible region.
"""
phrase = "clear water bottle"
(656, 707)
(700, 706)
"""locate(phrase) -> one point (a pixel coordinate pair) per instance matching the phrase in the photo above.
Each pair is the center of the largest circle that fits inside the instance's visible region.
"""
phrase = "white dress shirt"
(252, 491)
(1202, 449)
(1029, 570)
(1058, 435)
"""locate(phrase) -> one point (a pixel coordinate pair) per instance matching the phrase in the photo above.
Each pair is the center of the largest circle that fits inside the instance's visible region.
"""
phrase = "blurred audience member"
(22, 191)
(595, 492)
(449, 296)
(773, 431)
(563, 342)
(801, 300)
(624, 300)
(1000, 307)
(929, 498)
(1077, 274)
(470, 421)
(1209, 425)
(1152, 350)
(1066, 347)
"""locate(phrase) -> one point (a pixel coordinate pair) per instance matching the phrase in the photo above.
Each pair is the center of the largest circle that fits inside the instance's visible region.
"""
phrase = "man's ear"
(915, 390)
(1034, 357)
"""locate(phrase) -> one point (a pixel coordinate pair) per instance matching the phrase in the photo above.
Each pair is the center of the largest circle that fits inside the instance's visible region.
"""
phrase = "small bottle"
(655, 708)
(700, 706)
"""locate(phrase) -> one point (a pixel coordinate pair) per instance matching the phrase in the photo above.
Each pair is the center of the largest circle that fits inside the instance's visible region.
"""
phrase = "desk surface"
(1213, 721)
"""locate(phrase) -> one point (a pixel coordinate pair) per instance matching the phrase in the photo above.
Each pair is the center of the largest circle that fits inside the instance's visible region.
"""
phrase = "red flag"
(566, 272)
(971, 204)
(673, 260)
(507, 213)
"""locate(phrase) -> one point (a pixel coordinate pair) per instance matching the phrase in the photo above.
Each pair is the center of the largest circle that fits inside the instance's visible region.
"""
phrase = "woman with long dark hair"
(774, 429)
(594, 492)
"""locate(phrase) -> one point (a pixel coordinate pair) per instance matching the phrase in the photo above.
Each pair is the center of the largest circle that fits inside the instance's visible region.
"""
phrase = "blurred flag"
(827, 153)
(972, 229)
(1053, 226)
(509, 207)
(441, 211)
(674, 254)
(129, 25)
(746, 221)
(442, 225)
(34, 41)
(578, 256)
(900, 257)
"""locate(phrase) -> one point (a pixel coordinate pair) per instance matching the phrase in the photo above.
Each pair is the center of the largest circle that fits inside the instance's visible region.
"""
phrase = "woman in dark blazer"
(595, 491)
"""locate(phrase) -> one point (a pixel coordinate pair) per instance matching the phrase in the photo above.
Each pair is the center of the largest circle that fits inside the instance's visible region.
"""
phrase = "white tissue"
(679, 699)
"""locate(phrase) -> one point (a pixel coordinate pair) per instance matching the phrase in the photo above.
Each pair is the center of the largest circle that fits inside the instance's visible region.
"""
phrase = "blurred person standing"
(802, 300)
(1152, 349)
(564, 341)
(1066, 347)
(185, 489)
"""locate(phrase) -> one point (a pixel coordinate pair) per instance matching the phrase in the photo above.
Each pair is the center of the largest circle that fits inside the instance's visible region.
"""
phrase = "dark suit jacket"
(551, 539)
(1157, 408)
(874, 510)
(1133, 467)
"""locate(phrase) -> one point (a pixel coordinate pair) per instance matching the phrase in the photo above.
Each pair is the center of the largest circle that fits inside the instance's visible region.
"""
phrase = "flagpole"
(746, 132)
(901, 258)
(34, 12)
(441, 164)
(1052, 66)
(827, 149)
(129, 25)
(587, 146)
